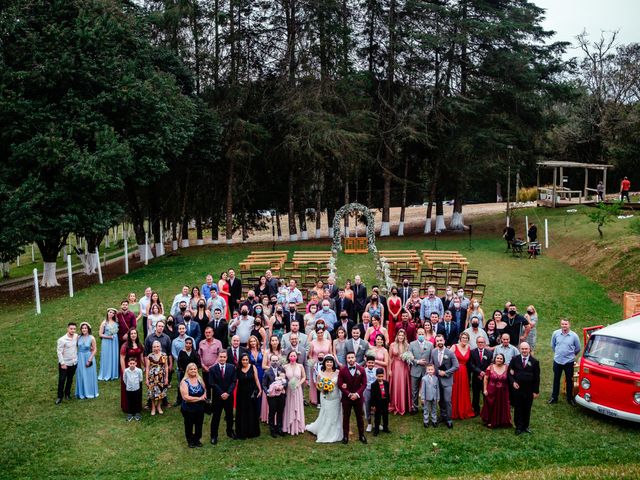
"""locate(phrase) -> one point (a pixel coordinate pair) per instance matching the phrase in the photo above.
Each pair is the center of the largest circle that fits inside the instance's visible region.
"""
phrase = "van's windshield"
(614, 352)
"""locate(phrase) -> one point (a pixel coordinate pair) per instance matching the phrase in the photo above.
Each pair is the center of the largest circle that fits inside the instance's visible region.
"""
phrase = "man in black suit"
(272, 283)
(235, 291)
(343, 304)
(365, 324)
(458, 314)
(220, 327)
(235, 351)
(448, 329)
(524, 378)
(222, 377)
(345, 323)
(405, 292)
(291, 314)
(360, 298)
(332, 287)
(275, 401)
(479, 361)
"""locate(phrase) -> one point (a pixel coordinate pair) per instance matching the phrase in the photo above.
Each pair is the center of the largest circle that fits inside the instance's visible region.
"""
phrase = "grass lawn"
(91, 438)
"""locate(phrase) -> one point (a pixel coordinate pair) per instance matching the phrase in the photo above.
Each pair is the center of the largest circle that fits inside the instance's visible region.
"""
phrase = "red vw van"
(609, 376)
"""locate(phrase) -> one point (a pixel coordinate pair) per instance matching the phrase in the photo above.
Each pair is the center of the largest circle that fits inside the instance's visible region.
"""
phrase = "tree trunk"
(293, 233)
(184, 232)
(386, 205)
(174, 235)
(137, 220)
(331, 213)
(457, 220)
(199, 237)
(347, 200)
(404, 198)
(229, 207)
(215, 226)
(319, 212)
(432, 198)
(440, 226)
(49, 249)
(278, 226)
(302, 218)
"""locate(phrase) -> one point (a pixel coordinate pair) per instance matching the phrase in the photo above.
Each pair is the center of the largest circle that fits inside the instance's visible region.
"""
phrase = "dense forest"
(207, 112)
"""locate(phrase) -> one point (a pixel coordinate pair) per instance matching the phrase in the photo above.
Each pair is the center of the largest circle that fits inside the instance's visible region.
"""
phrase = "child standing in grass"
(132, 377)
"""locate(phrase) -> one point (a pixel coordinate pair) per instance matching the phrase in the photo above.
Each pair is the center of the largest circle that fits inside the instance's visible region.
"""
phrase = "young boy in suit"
(380, 402)
(430, 393)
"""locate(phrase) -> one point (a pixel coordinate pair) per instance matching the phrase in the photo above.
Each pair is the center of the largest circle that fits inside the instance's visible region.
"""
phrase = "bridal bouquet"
(325, 385)
(407, 357)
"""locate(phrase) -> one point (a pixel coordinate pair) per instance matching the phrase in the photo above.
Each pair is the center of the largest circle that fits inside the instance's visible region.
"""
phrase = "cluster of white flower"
(383, 273)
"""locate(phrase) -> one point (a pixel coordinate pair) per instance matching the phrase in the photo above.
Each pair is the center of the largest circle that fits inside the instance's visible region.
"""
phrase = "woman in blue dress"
(109, 352)
(255, 358)
(86, 376)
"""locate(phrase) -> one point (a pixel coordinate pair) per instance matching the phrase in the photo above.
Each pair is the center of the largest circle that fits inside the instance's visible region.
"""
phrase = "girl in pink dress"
(399, 384)
(319, 346)
(381, 354)
(460, 396)
(374, 330)
(293, 417)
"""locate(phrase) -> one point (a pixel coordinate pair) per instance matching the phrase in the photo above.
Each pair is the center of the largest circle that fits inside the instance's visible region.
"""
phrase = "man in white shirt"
(505, 348)
(293, 294)
(67, 349)
(242, 326)
(474, 331)
(181, 297)
(144, 304)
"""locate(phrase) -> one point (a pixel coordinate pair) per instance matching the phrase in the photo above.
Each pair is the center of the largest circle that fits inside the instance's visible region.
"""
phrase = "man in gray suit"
(430, 393)
(446, 363)
(358, 346)
(302, 337)
(421, 350)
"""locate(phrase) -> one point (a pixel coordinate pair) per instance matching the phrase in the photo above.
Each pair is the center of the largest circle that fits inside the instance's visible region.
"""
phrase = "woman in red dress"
(496, 411)
(460, 397)
(131, 348)
(223, 291)
(399, 383)
(394, 307)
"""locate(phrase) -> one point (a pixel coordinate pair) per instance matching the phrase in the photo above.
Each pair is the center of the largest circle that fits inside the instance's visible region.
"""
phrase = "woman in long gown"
(319, 346)
(86, 376)
(256, 358)
(132, 348)
(394, 307)
(496, 411)
(381, 354)
(460, 396)
(293, 417)
(224, 292)
(109, 364)
(248, 390)
(328, 426)
(399, 384)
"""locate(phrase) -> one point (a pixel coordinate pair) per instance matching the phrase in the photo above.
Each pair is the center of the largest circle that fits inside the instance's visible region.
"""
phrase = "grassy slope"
(90, 438)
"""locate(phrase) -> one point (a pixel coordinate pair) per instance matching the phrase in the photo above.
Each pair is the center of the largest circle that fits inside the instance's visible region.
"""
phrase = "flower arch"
(348, 209)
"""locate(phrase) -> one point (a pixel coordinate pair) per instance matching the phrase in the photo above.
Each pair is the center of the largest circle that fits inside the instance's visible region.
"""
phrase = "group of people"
(253, 358)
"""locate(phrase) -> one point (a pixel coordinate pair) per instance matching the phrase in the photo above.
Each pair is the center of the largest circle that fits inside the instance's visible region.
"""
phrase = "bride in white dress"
(328, 426)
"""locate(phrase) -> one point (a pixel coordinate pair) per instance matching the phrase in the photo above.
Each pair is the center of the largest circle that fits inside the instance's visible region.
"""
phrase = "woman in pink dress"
(394, 307)
(319, 346)
(429, 334)
(496, 411)
(223, 291)
(381, 354)
(374, 330)
(293, 417)
(399, 384)
(460, 396)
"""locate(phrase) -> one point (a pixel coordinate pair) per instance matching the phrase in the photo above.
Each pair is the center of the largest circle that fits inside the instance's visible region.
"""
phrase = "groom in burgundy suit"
(352, 381)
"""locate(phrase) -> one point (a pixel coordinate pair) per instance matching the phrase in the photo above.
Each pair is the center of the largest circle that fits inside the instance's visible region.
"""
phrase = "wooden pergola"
(560, 195)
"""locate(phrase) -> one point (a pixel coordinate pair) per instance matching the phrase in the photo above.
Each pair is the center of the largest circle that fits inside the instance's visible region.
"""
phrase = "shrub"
(529, 194)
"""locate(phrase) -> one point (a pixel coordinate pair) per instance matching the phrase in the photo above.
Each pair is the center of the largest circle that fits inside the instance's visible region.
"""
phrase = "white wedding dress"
(328, 426)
